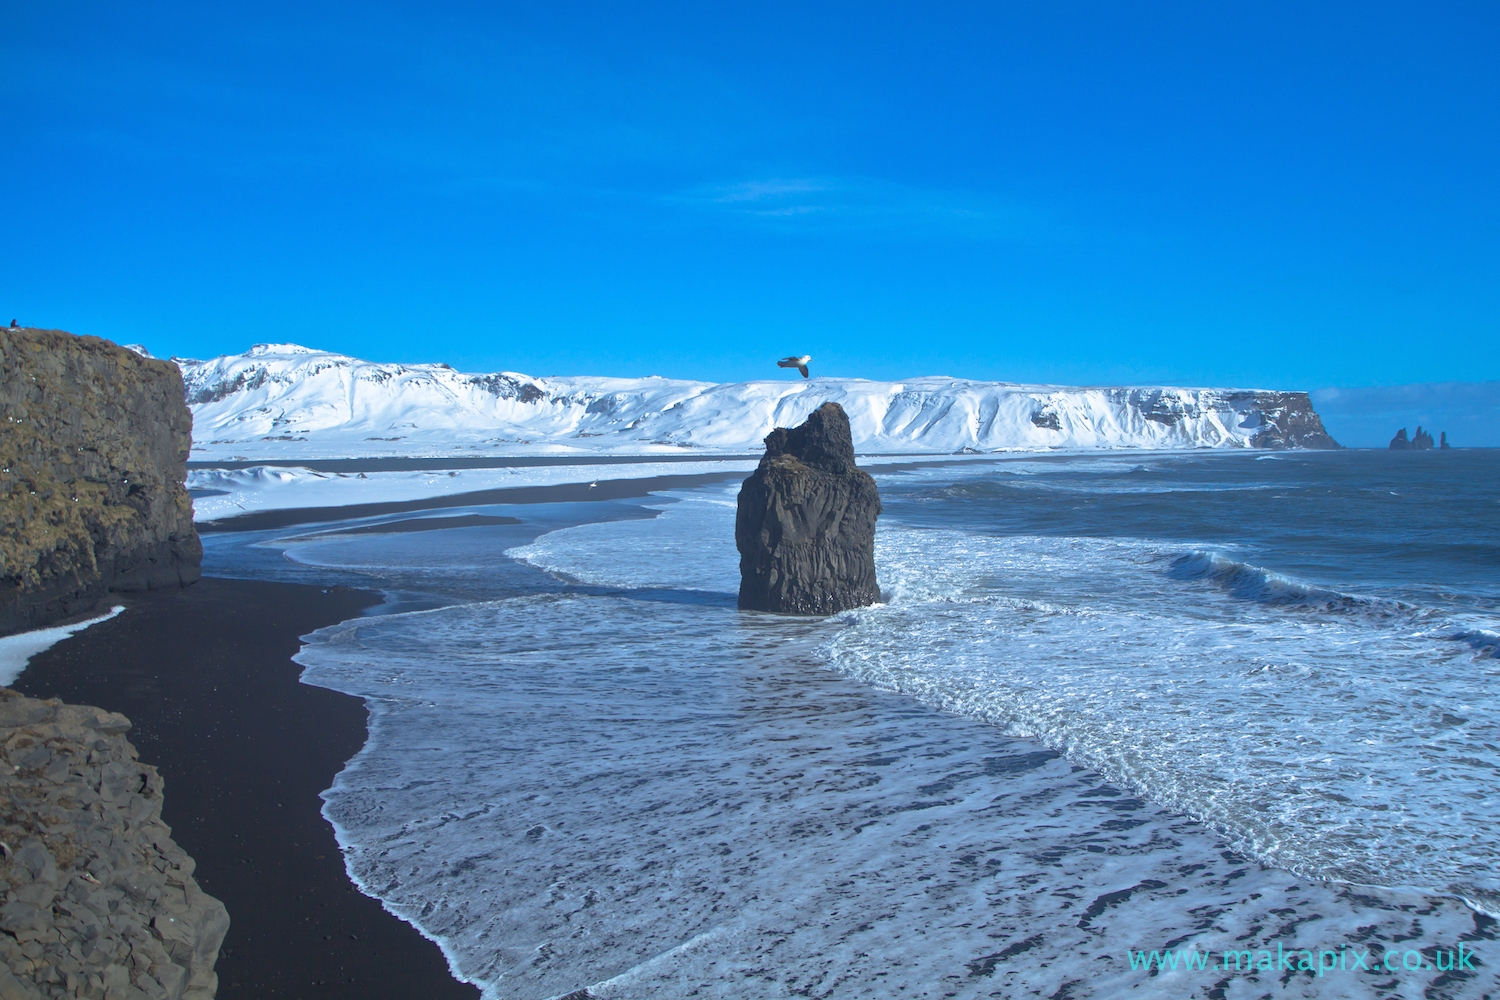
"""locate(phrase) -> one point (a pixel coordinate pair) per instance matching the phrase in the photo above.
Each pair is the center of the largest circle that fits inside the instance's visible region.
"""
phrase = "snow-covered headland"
(285, 402)
(286, 405)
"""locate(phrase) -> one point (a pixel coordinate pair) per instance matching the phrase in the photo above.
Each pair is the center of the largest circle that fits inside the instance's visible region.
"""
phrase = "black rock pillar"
(805, 526)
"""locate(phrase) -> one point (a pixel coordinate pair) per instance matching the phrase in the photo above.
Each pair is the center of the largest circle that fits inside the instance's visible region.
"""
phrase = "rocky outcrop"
(805, 526)
(1443, 444)
(98, 900)
(93, 444)
(1280, 419)
(1420, 441)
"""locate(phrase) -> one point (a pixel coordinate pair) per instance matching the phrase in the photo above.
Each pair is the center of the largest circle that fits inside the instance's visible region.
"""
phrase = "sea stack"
(805, 526)
(1420, 441)
(93, 450)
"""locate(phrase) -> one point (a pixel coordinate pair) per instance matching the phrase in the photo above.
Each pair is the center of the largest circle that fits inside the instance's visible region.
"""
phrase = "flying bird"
(799, 363)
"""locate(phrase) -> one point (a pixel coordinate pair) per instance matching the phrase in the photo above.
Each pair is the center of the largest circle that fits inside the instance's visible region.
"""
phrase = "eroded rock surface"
(93, 449)
(805, 526)
(98, 900)
(1280, 419)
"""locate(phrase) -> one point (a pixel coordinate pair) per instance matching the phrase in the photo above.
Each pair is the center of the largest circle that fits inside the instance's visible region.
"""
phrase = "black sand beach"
(245, 749)
(604, 489)
(353, 465)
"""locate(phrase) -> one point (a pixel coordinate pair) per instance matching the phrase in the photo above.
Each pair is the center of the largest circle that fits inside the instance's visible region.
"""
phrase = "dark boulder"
(1400, 442)
(806, 522)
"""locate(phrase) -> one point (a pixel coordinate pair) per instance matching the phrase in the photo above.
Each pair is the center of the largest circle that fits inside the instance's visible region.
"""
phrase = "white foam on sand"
(650, 798)
(17, 650)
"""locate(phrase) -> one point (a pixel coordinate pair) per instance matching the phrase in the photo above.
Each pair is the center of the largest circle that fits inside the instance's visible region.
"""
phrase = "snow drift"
(283, 401)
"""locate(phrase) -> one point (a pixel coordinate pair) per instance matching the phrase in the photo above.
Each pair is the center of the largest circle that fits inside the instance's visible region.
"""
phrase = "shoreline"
(604, 489)
(245, 749)
(307, 512)
(1328, 906)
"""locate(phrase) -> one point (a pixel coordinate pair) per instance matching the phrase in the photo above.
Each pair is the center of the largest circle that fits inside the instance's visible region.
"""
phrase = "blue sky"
(1264, 194)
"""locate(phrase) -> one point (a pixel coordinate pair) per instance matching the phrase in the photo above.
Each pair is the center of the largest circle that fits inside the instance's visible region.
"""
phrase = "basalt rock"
(94, 441)
(1420, 441)
(95, 898)
(805, 526)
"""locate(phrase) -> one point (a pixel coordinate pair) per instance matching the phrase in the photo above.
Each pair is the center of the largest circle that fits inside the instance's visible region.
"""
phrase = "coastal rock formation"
(93, 444)
(1420, 441)
(1275, 419)
(98, 900)
(1443, 441)
(805, 526)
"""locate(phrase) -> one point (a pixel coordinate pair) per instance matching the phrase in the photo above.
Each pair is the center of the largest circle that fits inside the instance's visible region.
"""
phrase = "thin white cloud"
(869, 206)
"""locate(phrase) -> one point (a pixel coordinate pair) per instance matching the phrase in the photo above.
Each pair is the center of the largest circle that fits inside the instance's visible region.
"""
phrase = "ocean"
(1116, 709)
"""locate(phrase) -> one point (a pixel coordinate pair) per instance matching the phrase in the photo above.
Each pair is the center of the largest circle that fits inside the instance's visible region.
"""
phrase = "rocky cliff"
(93, 444)
(1272, 418)
(98, 900)
(805, 526)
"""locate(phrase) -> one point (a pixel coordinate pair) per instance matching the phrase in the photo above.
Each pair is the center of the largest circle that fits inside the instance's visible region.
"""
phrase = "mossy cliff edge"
(94, 442)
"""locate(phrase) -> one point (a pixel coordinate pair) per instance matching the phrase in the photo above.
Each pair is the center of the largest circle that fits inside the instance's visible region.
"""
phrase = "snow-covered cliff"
(283, 401)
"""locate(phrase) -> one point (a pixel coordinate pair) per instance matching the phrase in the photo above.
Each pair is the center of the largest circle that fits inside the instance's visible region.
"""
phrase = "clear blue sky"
(1289, 195)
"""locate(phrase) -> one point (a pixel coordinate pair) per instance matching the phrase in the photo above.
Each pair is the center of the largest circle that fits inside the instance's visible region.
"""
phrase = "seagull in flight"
(799, 363)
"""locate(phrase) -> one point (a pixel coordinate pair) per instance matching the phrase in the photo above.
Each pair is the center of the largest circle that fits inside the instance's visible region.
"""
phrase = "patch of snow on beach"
(17, 650)
(261, 488)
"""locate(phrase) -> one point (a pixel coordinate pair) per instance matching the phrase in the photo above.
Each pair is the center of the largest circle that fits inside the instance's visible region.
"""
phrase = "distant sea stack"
(805, 526)
(94, 442)
(1420, 441)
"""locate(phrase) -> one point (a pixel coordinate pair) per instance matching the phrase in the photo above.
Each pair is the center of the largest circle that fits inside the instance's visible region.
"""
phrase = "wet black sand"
(427, 524)
(397, 464)
(245, 749)
(604, 489)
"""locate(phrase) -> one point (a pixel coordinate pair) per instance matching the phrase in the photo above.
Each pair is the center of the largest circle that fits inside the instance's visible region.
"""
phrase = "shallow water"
(1110, 703)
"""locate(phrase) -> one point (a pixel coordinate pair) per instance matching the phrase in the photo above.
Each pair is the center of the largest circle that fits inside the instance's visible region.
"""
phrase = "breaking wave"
(1256, 583)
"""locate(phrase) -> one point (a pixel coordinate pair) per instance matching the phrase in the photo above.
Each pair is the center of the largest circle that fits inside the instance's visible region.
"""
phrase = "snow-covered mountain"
(283, 401)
